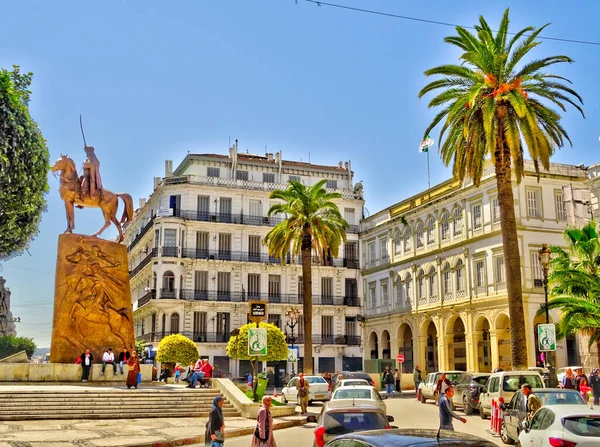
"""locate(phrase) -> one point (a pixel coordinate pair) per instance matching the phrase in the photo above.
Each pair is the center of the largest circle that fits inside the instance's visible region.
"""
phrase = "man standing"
(580, 378)
(303, 389)
(389, 381)
(446, 413)
(109, 358)
(86, 363)
(123, 357)
(417, 378)
(533, 402)
(398, 378)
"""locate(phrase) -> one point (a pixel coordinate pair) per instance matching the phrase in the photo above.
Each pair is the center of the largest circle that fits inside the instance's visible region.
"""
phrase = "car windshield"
(352, 393)
(583, 425)
(513, 383)
(559, 398)
(453, 377)
(480, 380)
(339, 423)
(355, 382)
(315, 380)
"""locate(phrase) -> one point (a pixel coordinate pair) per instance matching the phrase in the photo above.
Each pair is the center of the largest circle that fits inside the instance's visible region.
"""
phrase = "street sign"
(257, 341)
(257, 311)
(546, 337)
(292, 355)
(400, 358)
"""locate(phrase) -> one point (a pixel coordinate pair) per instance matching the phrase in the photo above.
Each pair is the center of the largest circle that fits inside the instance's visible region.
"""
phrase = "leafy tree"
(177, 348)
(24, 165)
(237, 346)
(140, 346)
(313, 225)
(9, 345)
(575, 284)
(492, 102)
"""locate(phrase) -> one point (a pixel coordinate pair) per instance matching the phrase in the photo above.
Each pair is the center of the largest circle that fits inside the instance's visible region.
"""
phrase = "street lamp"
(292, 316)
(545, 261)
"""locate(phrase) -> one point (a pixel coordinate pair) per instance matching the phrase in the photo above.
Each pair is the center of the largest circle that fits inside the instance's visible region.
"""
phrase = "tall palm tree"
(492, 102)
(313, 225)
(575, 283)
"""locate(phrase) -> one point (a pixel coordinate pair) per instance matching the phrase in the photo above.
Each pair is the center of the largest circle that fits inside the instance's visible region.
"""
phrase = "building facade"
(197, 256)
(433, 274)
(7, 322)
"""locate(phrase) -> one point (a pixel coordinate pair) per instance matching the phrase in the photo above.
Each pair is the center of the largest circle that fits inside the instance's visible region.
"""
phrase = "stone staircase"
(108, 403)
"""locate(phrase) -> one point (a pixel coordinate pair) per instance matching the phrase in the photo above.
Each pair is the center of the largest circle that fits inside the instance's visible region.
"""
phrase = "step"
(103, 416)
(208, 400)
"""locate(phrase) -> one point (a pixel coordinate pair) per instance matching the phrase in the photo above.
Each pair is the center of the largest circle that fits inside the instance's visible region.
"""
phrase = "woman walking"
(215, 434)
(263, 435)
(569, 381)
(133, 365)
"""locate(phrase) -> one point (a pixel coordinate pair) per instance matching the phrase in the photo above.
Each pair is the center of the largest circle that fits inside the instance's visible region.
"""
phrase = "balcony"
(146, 298)
(171, 252)
(317, 339)
(144, 263)
(167, 293)
(199, 337)
(351, 263)
(141, 234)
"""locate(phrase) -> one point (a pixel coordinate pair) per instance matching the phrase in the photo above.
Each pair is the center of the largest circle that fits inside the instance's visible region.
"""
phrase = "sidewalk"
(151, 432)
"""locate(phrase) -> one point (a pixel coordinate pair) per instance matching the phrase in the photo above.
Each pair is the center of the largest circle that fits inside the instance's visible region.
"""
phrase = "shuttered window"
(225, 204)
(223, 282)
(253, 285)
(200, 322)
(559, 203)
(268, 177)
(203, 204)
(213, 172)
(326, 326)
(255, 208)
(331, 184)
(349, 215)
(200, 281)
(533, 203)
(327, 287)
(274, 286)
(202, 241)
(224, 243)
(241, 175)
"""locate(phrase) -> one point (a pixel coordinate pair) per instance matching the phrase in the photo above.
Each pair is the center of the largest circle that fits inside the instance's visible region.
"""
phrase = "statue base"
(92, 299)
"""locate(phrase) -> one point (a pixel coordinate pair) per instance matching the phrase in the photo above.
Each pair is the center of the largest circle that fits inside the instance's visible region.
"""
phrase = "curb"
(228, 435)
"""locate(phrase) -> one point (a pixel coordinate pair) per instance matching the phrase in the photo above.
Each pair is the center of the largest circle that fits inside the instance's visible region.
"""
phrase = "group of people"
(392, 380)
(198, 372)
(581, 383)
(125, 357)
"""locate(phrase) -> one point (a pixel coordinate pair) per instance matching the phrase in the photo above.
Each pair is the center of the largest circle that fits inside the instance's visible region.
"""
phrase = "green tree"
(237, 346)
(492, 102)
(574, 284)
(313, 225)
(9, 345)
(177, 348)
(24, 165)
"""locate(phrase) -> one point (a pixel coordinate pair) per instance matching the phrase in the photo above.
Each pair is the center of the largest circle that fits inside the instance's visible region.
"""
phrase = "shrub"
(177, 348)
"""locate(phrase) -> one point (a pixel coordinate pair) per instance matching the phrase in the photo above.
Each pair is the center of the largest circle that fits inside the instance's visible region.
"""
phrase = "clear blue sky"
(154, 80)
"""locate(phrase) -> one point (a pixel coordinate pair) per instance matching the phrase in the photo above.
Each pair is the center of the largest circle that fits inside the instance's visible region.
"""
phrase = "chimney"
(277, 157)
(168, 168)
(269, 156)
(142, 203)
(347, 165)
(340, 164)
(157, 181)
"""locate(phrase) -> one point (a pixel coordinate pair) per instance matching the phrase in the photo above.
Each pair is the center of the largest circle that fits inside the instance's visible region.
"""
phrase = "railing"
(172, 252)
(146, 298)
(167, 293)
(199, 337)
(143, 264)
(351, 263)
(317, 339)
(140, 235)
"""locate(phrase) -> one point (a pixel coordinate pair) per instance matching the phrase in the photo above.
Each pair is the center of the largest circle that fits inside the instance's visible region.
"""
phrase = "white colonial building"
(433, 274)
(197, 256)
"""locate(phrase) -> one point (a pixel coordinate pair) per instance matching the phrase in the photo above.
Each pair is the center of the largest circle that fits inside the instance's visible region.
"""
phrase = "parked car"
(466, 391)
(409, 437)
(339, 417)
(359, 394)
(561, 372)
(350, 382)
(319, 390)
(501, 387)
(354, 375)
(426, 388)
(515, 412)
(562, 425)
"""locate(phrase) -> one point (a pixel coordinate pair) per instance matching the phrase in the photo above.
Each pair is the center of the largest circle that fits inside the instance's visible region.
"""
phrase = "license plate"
(319, 396)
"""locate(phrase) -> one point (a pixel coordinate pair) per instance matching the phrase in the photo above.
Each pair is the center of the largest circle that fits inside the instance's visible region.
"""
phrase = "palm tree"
(575, 284)
(492, 102)
(313, 225)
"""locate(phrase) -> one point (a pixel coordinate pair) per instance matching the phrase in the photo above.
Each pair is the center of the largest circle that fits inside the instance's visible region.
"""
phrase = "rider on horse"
(91, 184)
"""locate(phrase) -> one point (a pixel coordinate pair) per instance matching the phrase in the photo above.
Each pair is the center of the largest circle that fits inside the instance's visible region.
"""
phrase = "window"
(274, 287)
(421, 284)
(254, 248)
(213, 172)
(268, 177)
(430, 231)
(170, 238)
(480, 273)
(351, 326)
(351, 250)
(432, 282)
(202, 241)
(327, 326)
(223, 324)
(495, 210)
(399, 293)
(255, 208)
(200, 322)
(447, 283)
(224, 243)
(203, 204)
(349, 216)
(419, 238)
(327, 287)
(559, 204)
(225, 209)
(383, 250)
(241, 175)
(295, 178)
(408, 288)
(499, 269)
(200, 281)
(384, 294)
(223, 284)
(156, 238)
(331, 184)
(477, 220)
(445, 226)
(533, 203)
(460, 282)
(372, 295)
(253, 285)
(175, 323)
(274, 319)
(372, 254)
(537, 272)
(457, 224)
(406, 240)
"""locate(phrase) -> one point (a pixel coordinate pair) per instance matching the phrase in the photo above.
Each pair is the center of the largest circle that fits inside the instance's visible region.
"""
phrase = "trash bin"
(261, 389)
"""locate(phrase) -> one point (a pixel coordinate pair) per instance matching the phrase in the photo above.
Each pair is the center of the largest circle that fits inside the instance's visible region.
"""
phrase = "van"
(501, 387)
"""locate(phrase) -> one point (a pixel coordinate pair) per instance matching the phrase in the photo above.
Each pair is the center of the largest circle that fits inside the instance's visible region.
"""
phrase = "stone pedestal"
(92, 300)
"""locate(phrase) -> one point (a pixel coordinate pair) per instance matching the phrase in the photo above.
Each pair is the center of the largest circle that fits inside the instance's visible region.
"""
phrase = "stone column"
(444, 348)
(421, 354)
(473, 350)
(495, 352)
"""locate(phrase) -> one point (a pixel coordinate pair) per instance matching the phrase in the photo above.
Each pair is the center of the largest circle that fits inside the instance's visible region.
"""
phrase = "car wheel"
(481, 413)
(467, 408)
(310, 402)
(283, 398)
(423, 398)
(504, 435)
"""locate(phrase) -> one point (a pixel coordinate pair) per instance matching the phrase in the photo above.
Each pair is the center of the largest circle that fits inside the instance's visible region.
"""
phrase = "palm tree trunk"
(512, 259)
(306, 250)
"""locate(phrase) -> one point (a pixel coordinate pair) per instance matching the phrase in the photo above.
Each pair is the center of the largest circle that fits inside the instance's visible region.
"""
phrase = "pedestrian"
(389, 382)
(123, 357)
(442, 384)
(177, 372)
(568, 381)
(446, 413)
(580, 378)
(86, 363)
(595, 385)
(164, 373)
(215, 426)
(207, 369)
(108, 358)
(133, 368)
(533, 402)
(417, 378)
(263, 434)
(303, 390)
(398, 378)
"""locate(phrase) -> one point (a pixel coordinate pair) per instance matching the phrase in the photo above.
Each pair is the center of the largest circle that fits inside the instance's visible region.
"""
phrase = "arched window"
(421, 292)
(164, 323)
(447, 280)
(175, 323)
(399, 292)
(406, 239)
(408, 288)
(419, 236)
(457, 223)
(168, 281)
(445, 226)
(460, 276)
(397, 242)
(432, 277)
(430, 226)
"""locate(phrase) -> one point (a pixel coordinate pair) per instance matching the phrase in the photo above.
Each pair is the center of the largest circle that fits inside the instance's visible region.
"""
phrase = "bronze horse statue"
(72, 194)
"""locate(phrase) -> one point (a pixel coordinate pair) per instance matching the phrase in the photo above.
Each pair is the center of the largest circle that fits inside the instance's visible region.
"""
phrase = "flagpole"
(428, 173)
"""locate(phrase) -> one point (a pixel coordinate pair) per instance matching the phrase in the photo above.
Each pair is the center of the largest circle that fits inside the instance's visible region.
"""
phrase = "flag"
(426, 144)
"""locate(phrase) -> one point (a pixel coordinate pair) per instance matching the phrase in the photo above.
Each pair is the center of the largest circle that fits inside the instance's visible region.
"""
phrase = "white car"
(319, 390)
(359, 395)
(562, 425)
(350, 382)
